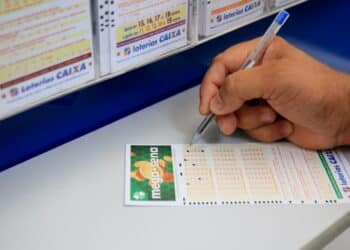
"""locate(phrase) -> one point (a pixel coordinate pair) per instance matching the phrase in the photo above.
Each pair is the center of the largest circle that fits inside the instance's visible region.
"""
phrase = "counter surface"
(72, 197)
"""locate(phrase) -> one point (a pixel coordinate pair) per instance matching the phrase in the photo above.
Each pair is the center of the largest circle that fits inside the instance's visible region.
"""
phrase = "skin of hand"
(306, 102)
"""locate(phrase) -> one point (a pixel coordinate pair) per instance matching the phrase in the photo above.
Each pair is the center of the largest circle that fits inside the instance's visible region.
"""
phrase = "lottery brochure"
(45, 49)
(143, 30)
(221, 15)
(234, 174)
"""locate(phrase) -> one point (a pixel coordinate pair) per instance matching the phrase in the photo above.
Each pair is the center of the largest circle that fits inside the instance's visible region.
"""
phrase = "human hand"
(311, 99)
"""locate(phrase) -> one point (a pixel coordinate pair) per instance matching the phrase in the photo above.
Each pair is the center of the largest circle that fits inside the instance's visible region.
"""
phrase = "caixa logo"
(252, 5)
(72, 70)
(14, 92)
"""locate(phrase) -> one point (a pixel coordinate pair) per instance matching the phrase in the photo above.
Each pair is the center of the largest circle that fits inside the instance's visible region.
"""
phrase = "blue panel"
(319, 27)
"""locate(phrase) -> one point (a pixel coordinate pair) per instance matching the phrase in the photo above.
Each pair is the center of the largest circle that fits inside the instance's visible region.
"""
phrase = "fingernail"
(286, 129)
(216, 104)
(267, 117)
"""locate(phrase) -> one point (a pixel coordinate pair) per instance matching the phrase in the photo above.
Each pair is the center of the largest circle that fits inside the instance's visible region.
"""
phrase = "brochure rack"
(318, 27)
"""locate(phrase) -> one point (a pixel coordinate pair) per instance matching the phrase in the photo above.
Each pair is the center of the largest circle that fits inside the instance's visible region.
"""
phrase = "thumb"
(242, 86)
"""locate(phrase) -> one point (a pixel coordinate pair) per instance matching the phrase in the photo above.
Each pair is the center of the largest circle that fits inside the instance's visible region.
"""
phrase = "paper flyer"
(234, 174)
(142, 30)
(45, 48)
(220, 15)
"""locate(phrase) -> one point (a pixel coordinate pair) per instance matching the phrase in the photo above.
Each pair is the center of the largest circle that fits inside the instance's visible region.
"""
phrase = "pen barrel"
(205, 123)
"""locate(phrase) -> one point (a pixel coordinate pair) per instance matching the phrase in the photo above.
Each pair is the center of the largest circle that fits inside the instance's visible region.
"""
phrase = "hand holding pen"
(311, 99)
(254, 56)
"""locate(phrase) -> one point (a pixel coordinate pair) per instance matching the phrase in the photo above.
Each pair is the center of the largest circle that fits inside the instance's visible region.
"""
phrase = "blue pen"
(252, 59)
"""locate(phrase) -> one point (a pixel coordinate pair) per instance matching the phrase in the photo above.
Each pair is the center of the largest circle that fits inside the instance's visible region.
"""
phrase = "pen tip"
(195, 138)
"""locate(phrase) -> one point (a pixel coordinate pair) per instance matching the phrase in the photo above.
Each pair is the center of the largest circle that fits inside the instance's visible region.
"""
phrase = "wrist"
(345, 106)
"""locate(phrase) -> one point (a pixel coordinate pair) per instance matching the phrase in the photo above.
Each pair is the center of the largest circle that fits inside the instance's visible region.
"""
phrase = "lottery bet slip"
(145, 29)
(234, 174)
(221, 15)
(45, 49)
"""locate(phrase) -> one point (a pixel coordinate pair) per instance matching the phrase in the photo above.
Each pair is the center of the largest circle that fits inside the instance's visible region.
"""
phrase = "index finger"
(224, 64)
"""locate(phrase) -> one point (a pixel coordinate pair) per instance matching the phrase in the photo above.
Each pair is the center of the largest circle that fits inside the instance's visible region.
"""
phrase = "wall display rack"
(109, 68)
(313, 27)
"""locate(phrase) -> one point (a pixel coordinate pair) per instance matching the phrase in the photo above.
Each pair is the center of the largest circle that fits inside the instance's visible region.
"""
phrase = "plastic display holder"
(194, 39)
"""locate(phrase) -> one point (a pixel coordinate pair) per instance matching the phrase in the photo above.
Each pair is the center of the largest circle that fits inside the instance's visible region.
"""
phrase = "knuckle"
(279, 40)
(231, 83)
(247, 124)
(201, 94)
(247, 120)
(242, 122)
(266, 135)
(218, 58)
(274, 71)
(277, 45)
(202, 91)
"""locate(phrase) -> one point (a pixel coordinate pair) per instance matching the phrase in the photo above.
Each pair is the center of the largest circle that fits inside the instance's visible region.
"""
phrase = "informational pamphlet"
(143, 30)
(217, 16)
(45, 49)
(234, 174)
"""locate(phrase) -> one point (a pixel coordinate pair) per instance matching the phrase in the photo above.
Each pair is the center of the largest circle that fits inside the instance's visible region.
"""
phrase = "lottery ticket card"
(143, 30)
(220, 15)
(45, 49)
(234, 174)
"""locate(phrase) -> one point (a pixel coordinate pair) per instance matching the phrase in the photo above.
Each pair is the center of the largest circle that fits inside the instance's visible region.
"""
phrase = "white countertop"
(72, 197)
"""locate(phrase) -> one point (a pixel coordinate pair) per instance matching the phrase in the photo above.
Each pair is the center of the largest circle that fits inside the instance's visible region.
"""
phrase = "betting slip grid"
(256, 174)
(228, 175)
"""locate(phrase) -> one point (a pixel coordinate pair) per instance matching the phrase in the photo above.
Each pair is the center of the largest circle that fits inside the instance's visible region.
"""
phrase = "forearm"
(345, 107)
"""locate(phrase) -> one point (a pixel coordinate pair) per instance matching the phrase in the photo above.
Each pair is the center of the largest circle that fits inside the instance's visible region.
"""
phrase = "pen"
(252, 59)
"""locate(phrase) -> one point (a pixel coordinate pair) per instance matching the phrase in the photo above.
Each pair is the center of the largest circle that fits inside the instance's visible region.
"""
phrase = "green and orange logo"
(152, 173)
